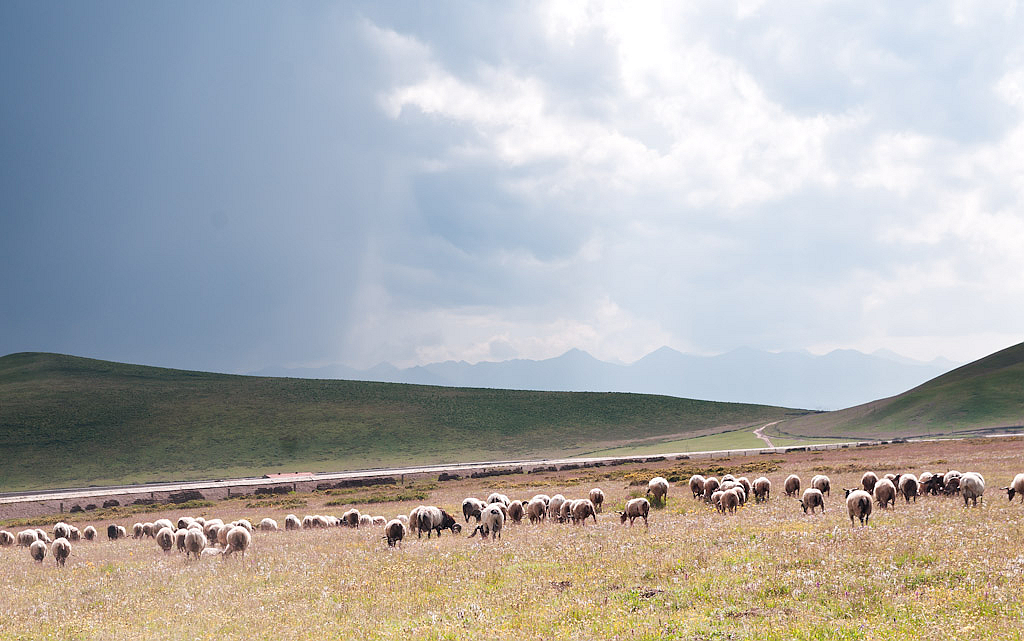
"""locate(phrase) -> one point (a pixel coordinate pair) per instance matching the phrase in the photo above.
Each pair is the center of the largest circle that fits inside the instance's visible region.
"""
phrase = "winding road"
(759, 433)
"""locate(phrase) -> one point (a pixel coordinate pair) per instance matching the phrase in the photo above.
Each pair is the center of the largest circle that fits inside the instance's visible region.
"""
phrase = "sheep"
(244, 523)
(492, 520)
(27, 537)
(711, 485)
(930, 483)
(823, 483)
(404, 519)
(951, 481)
(238, 540)
(858, 504)
(972, 486)
(43, 536)
(184, 522)
(728, 477)
(179, 539)
(582, 509)
(536, 510)
(165, 538)
(635, 508)
(497, 497)
(543, 497)
(811, 499)
(211, 552)
(61, 530)
(1015, 487)
(195, 542)
(657, 488)
(565, 512)
(555, 506)
(472, 507)
(716, 500)
(6, 539)
(394, 532)
(76, 534)
(268, 525)
(908, 487)
(292, 522)
(350, 518)
(147, 530)
(309, 521)
(597, 498)
(115, 532)
(885, 493)
(433, 518)
(516, 511)
(379, 521)
(365, 520)
(868, 481)
(89, 533)
(792, 485)
(162, 523)
(414, 520)
(322, 522)
(697, 486)
(731, 500)
(762, 489)
(61, 550)
(37, 550)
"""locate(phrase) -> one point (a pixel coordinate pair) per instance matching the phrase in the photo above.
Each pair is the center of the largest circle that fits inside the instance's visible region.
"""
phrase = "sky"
(231, 186)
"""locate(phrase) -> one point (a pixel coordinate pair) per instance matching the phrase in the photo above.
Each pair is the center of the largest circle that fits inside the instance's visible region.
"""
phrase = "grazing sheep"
(516, 511)
(184, 522)
(716, 500)
(868, 481)
(711, 485)
(147, 530)
(885, 493)
(292, 522)
(472, 507)
(728, 477)
(309, 521)
(162, 523)
(394, 532)
(89, 533)
(6, 539)
(244, 523)
(697, 486)
(858, 504)
(268, 525)
(238, 540)
(165, 538)
(542, 497)
(351, 518)
(972, 486)
(555, 506)
(908, 487)
(37, 550)
(43, 536)
(731, 500)
(762, 489)
(195, 542)
(635, 508)
(433, 518)
(61, 530)
(492, 520)
(379, 521)
(497, 497)
(823, 483)
(61, 550)
(811, 499)
(414, 520)
(951, 481)
(536, 510)
(792, 485)
(115, 532)
(211, 552)
(597, 498)
(745, 484)
(179, 539)
(1015, 487)
(404, 519)
(27, 537)
(565, 512)
(657, 488)
(582, 509)
(365, 520)
(930, 483)
(76, 534)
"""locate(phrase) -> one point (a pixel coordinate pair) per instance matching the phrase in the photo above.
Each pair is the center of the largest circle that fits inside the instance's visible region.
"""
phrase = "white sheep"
(432, 518)
(635, 508)
(811, 499)
(536, 510)
(858, 504)
(165, 538)
(822, 483)
(868, 480)
(37, 550)
(492, 519)
(543, 497)
(711, 485)
(555, 506)
(972, 486)
(43, 536)
(244, 523)
(472, 507)
(162, 523)
(179, 538)
(597, 498)
(195, 542)
(61, 550)
(351, 518)
(365, 520)
(394, 532)
(89, 533)
(27, 537)
(583, 509)
(885, 493)
(657, 488)
(497, 497)
(61, 530)
(184, 522)
(697, 485)
(292, 522)
(762, 488)
(268, 525)
(792, 485)
(908, 487)
(238, 540)
(1015, 487)
(7, 539)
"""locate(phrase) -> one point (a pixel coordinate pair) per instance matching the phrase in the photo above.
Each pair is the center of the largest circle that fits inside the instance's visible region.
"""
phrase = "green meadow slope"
(983, 396)
(67, 421)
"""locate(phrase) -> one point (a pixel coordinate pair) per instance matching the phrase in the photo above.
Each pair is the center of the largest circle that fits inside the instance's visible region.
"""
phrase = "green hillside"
(67, 421)
(986, 395)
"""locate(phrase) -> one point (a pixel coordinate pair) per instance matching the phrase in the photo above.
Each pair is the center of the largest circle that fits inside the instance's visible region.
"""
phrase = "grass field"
(925, 570)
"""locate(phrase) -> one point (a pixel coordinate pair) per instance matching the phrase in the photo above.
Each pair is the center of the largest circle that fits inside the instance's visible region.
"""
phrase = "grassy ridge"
(66, 420)
(983, 395)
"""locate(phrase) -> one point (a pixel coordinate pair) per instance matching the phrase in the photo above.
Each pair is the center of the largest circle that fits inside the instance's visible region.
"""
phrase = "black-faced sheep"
(433, 518)
(697, 486)
(823, 483)
(195, 542)
(951, 482)
(492, 520)
(762, 488)
(811, 499)
(61, 550)
(115, 532)
(792, 485)
(858, 504)
(908, 487)
(1015, 487)
(972, 486)
(37, 550)
(238, 540)
(657, 488)
(471, 508)
(498, 497)
(597, 498)
(868, 481)
(885, 493)
(394, 532)
(635, 509)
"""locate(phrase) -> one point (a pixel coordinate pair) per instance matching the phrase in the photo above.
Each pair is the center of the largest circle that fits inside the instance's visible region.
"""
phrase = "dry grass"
(930, 570)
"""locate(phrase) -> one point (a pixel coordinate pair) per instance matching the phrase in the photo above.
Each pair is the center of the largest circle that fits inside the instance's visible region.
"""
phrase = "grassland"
(73, 421)
(926, 570)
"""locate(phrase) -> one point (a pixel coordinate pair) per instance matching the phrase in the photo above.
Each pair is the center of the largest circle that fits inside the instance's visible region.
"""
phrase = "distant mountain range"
(839, 379)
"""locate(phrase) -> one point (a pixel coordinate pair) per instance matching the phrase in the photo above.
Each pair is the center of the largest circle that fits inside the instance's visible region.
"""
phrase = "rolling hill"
(66, 420)
(984, 396)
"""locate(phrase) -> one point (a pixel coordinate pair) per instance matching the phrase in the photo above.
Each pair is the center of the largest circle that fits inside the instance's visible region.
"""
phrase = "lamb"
(582, 509)
(972, 486)
(433, 518)
(394, 532)
(697, 485)
(597, 498)
(165, 538)
(238, 540)
(37, 550)
(516, 511)
(858, 504)
(762, 489)
(61, 530)
(27, 537)
(823, 483)
(472, 507)
(61, 550)
(555, 506)
(292, 522)
(268, 525)
(179, 539)
(636, 508)
(711, 485)
(868, 481)
(792, 485)
(89, 533)
(492, 520)
(195, 542)
(908, 487)
(6, 539)
(1015, 487)
(536, 510)
(885, 493)
(731, 500)
(812, 498)
(658, 489)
